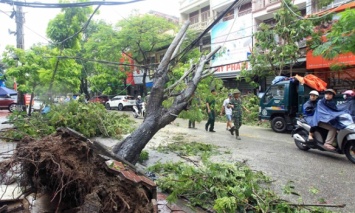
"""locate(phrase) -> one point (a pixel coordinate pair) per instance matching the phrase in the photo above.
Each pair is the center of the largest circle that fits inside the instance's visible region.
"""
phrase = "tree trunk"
(158, 117)
(84, 87)
(144, 82)
(21, 101)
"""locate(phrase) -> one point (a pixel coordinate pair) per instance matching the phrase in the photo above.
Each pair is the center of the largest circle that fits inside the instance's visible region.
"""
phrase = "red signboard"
(318, 62)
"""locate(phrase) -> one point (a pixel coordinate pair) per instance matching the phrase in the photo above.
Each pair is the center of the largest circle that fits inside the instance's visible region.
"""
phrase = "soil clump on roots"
(75, 176)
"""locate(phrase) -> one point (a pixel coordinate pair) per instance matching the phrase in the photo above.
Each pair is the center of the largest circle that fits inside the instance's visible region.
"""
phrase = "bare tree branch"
(179, 45)
(181, 79)
(166, 59)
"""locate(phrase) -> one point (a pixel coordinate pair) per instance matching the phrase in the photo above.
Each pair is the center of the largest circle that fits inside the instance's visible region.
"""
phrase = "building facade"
(234, 32)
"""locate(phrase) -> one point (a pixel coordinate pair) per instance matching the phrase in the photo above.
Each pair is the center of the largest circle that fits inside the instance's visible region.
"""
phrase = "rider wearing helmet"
(348, 94)
(349, 105)
(139, 103)
(308, 110)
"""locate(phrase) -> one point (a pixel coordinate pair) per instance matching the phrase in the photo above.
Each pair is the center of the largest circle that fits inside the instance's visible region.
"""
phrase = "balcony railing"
(201, 25)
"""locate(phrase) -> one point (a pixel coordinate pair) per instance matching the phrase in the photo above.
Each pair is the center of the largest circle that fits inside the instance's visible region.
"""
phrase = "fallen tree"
(157, 115)
(77, 176)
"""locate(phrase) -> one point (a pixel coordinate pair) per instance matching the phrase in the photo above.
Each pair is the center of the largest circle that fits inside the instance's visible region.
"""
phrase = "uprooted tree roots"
(75, 176)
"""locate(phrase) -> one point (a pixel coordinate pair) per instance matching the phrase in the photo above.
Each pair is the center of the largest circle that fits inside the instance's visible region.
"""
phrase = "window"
(193, 17)
(205, 14)
(275, 92)
(244, 9)
(229, 15)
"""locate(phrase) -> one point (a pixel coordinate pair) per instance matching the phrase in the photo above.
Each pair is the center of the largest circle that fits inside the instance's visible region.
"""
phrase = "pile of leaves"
(218, 187)
(91, 119)
(75, 176)
(189, 149)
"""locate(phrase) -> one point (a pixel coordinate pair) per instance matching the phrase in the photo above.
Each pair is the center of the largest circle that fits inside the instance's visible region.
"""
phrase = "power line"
(66, 5)
(193, 43)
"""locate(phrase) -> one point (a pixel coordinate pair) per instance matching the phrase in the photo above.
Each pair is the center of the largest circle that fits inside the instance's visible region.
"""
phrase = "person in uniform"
(210, 107)
(236, 105)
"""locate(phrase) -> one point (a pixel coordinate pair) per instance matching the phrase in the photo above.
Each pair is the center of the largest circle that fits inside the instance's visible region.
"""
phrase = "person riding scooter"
(329, 117)
(349, 104)
(139, 103)
(308, 111)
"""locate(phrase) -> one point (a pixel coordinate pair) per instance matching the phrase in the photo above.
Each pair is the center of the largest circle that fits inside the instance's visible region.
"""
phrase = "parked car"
(8, 102)
(120, 102)
(37, 104)
(99, 99)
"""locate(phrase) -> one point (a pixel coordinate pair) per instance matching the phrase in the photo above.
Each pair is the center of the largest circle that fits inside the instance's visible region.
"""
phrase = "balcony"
(188, 6)
(200, 26)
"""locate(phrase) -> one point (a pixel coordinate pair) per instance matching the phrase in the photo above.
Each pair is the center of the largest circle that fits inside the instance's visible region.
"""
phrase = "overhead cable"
(193, 43)
(66, 5)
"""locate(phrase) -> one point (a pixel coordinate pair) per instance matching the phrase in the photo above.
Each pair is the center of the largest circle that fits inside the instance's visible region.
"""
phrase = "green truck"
(282, 103)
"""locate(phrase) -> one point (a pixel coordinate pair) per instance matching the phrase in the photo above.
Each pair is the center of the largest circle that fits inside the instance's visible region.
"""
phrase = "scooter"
(136, 113)
(345, 139)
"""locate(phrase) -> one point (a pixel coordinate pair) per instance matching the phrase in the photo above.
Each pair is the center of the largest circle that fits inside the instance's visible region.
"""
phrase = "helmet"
(139, 96)
(314, 92)
(229, 94)
(349, 93)
(236, 91)
(330, 91)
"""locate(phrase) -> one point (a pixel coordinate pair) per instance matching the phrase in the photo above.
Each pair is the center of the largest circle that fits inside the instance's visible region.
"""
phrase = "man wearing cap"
(308, 111)
(236, 105)
(228, 111)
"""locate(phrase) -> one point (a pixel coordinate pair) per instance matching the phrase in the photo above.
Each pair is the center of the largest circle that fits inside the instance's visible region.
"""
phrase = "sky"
(36, 19)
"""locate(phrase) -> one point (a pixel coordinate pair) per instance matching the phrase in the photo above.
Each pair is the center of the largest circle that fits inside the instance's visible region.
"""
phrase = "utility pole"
(20, 43)
(19, 28)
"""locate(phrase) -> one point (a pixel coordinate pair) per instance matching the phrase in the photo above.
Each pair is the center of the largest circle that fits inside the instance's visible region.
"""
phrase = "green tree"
(341, 38)
(140, 36)
(277, 46)
(33, 70)
(101, 43)
(26, 67)
(65, 30)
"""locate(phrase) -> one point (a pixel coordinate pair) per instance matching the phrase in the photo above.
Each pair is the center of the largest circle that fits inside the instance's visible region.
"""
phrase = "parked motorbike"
(136, 112)
(345, 139)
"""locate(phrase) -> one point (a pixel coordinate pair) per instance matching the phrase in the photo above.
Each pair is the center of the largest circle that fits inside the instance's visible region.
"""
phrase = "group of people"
(232, 108)
(326, 114)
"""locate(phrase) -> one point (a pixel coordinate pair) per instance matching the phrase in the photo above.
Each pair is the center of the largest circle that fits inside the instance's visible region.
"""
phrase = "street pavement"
(317, 176)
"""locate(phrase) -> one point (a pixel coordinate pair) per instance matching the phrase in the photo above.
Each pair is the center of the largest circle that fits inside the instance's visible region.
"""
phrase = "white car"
(120, 102)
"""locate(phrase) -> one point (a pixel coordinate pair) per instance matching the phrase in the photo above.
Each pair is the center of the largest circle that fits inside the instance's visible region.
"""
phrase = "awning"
(5, 91)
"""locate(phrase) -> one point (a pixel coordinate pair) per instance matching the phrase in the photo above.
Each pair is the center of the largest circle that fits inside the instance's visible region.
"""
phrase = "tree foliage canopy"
(142, 35)
(33, 68)
(66, 24)
(341, 38)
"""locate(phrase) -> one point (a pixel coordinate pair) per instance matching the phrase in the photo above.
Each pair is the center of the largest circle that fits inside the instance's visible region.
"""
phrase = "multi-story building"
(200, 15)
(234, 32)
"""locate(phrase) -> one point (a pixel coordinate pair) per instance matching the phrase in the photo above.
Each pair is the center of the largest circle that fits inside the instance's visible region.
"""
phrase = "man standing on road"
(210, 106)
(228, 111)
(236, 105)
